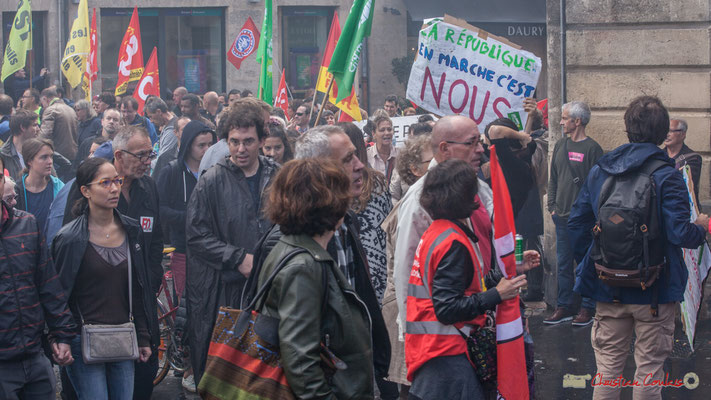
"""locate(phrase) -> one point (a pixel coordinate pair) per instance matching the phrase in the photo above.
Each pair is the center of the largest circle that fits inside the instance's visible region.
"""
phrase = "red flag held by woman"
(510, 356)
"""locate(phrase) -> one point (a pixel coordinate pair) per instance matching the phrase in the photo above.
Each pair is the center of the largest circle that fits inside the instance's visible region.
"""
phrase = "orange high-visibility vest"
(426, 337)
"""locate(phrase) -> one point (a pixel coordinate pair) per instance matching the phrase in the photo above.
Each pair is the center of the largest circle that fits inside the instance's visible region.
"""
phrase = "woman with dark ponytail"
(93, 255)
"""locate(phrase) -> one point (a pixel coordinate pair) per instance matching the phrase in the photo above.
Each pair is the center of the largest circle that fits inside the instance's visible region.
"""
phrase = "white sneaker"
(189, 384)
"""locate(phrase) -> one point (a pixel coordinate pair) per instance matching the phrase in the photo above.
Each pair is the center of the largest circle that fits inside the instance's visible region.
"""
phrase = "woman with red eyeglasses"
(96, 255)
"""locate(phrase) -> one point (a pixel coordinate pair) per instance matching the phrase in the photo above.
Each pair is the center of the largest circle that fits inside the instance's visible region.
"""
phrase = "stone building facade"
(207, 28)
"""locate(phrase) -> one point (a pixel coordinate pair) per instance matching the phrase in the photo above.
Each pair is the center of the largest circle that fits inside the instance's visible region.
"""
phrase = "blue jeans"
(100, 381)
(566, 269)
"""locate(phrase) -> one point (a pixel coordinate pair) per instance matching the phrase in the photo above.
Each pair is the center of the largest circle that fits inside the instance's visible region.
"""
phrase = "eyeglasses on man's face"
(143, 157)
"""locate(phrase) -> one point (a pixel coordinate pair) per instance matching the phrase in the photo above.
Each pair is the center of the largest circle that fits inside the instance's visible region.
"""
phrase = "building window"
(36, 56)
(305, 30)
(189, 42)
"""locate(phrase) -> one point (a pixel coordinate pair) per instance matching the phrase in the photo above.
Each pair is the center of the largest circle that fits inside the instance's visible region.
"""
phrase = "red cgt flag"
(92, 68)
(512, 379)
(245, 43)
(149, 83)
(130, 60)
(282, 97)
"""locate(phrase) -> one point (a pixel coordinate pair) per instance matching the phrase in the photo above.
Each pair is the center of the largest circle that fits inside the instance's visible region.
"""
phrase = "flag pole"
(325, 99)
(32, 49)
(313, 102)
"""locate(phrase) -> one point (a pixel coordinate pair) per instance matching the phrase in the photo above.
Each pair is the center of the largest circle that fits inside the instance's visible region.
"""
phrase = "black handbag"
(481, 351)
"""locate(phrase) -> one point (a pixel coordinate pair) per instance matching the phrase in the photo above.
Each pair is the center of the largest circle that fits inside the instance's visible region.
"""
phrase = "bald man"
(453, 137)
(212, 106)
(178, 94)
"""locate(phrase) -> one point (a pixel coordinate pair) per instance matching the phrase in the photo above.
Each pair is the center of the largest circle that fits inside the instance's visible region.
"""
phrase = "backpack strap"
(649, 168)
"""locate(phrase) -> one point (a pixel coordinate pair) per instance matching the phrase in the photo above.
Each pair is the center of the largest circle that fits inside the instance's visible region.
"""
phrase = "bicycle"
(170, 353)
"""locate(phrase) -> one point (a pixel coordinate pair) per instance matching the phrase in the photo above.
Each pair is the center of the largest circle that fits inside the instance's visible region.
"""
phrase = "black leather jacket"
(363, 287)
(451, 278)
(68, 249)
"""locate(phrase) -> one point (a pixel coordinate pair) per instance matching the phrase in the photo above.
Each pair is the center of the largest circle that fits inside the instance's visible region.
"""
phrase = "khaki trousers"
(612, 331)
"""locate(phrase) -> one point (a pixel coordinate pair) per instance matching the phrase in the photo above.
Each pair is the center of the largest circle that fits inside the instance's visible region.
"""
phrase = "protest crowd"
(313, 256)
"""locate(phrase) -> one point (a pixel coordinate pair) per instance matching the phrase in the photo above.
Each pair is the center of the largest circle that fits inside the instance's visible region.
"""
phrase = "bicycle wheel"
(165, 325)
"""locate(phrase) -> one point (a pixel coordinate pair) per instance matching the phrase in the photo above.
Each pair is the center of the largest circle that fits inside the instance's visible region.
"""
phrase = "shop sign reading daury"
(460, 69)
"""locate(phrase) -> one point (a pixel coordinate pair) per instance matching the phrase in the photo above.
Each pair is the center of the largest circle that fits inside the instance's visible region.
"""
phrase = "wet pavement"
(565, 363)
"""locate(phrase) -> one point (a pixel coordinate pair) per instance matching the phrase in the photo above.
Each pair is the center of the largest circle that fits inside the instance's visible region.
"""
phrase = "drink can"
(518, 249)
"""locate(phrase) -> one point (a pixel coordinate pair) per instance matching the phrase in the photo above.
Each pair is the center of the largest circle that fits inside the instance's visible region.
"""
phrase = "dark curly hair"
(449, 190)
(309, 196)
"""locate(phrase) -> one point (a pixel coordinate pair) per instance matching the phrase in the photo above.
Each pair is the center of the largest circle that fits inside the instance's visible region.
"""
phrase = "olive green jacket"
(296, 298)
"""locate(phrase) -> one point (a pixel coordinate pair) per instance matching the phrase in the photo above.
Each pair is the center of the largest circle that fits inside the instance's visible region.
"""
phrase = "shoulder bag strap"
(130, 284)
(264, 289)
(130, 281)
(576, 179)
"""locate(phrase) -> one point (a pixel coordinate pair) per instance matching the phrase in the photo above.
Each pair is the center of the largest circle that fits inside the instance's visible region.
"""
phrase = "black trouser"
(68, 392)
(31, 378)
(388, 390)
(534, 276)
(143, 378)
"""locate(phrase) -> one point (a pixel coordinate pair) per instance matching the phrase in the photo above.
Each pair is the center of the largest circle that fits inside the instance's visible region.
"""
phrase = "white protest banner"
(698, 262)
(401, 128)
(461, 69)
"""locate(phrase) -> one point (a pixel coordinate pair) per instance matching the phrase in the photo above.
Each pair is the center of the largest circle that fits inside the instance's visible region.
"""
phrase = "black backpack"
(628, 250)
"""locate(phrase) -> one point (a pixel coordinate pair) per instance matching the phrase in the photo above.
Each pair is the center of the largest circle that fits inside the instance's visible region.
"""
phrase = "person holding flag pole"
(15, 56)
(451, 293)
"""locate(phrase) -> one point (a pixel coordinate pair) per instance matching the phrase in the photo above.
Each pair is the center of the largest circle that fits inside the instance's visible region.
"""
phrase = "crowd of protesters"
(399, 260)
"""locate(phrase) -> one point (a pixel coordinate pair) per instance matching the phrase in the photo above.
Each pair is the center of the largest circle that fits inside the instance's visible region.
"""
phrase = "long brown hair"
(373, 184)
(30, 148)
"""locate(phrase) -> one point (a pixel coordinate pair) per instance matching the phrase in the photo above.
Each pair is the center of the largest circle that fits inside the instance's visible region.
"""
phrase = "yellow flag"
(77, 50)
(19, 42)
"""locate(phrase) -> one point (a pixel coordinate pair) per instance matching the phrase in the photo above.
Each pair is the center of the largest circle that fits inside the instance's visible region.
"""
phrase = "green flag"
(264, 56)
(346, 56)
(19, 42)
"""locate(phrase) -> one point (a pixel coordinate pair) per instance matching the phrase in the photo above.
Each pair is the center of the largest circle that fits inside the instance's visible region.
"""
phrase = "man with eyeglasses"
(133, 153)
(300, 122)
(681, 153)
(220, 150)
(224, 223)
(453, 138)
